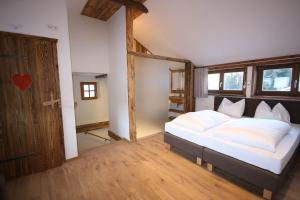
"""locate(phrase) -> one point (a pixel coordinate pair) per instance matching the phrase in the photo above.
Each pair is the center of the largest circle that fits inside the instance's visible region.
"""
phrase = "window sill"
(224, 94)
(297, 98)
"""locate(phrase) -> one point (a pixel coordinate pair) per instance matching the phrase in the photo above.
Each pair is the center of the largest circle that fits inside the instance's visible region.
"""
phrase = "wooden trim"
(93, 126)
(264, 61)
(189, 96)
(141, 48)
(131, 74)
(288, 98)
(177, 111)
(28, 36)
(158, 57)
(176, 99)
(177, 70)
(259, 80)
(229, 70)
(113, 135)
(82, 90)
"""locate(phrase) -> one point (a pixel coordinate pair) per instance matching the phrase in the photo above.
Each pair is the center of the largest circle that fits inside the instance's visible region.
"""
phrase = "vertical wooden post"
(189, 88)
(131, 74)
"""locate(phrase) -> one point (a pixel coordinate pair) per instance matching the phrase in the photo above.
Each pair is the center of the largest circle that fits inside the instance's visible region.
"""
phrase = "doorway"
(31, 133)
(91, 110)
(153, 95)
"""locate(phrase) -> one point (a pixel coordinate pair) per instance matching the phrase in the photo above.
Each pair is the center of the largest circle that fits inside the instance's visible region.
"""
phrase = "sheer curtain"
(201, 88)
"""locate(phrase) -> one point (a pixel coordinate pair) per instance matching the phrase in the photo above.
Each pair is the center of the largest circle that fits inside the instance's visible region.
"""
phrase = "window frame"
(221, 81)
(295, 77)
(82, 90)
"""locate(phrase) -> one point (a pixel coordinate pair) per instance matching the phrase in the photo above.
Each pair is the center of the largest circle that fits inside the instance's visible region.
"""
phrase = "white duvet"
(202, 120)
(261, 133)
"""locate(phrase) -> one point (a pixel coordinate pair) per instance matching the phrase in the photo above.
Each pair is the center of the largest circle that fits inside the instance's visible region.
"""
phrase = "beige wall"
(90, 111)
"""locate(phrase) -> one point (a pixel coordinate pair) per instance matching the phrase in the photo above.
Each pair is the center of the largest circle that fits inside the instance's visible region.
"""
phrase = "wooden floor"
(146, 170)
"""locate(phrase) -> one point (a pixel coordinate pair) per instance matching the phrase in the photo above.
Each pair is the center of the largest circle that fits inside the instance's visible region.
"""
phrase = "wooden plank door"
(31, 134)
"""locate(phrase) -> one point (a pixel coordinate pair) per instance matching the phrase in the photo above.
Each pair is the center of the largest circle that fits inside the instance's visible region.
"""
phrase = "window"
(233, 81)
(88, 90)
(278, 80)
(228, 81)
(213, 81)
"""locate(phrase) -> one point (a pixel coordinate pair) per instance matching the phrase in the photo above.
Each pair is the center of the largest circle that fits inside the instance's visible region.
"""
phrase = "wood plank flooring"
(146, 170)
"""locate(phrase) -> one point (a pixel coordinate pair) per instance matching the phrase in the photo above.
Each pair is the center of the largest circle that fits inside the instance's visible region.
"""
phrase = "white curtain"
(201, 88)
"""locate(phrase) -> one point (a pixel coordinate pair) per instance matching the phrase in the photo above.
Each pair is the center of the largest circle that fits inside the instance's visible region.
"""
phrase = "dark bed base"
(185, 148)
(247, 172)
(242, 170)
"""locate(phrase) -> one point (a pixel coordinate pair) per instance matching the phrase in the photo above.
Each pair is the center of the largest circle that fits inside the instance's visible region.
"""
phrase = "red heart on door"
(22, 81)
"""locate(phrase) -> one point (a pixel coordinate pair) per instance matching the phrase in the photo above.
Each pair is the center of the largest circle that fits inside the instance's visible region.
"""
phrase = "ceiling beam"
(101, 76)
(158, 57)
(133, 4)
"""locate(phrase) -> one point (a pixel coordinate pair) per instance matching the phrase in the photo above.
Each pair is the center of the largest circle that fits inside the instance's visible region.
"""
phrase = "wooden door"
(31, 134)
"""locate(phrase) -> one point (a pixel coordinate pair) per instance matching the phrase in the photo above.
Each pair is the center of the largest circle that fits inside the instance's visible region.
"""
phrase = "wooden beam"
(93, 126)
(264, 61)
(131, 74)
(133, 4)
(101, 76)
(141, 48)
(114, 135)
(189, 99)
(104, 9)
(158, 57)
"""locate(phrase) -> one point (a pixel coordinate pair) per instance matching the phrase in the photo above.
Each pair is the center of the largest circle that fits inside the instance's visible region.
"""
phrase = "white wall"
(88, 40)
(90, 111)
(34, 17)
(152, 95)
(117, 78)
(214, 31)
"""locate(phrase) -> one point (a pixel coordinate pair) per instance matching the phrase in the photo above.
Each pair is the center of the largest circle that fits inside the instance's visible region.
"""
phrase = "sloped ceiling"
(220, 31)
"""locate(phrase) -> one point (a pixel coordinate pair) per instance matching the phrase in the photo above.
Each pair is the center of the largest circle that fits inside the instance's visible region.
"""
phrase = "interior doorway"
(155, 88)
(91, 110)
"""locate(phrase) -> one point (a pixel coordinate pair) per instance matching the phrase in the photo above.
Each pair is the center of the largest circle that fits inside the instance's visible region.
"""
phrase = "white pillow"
(232, 109)
(279, 112)
(263, 111)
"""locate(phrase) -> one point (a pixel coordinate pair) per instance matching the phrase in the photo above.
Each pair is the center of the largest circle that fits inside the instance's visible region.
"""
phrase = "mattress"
(273, 162)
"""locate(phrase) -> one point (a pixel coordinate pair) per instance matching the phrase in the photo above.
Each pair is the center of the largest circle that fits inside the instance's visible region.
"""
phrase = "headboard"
(293, 106)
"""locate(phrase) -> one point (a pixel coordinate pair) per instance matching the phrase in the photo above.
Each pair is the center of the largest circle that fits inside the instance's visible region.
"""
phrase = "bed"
(259, 167)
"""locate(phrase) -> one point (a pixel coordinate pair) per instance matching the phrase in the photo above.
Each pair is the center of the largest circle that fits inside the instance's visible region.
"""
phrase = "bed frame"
(264, 179)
